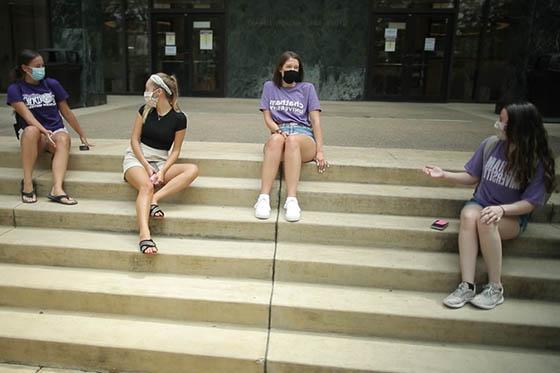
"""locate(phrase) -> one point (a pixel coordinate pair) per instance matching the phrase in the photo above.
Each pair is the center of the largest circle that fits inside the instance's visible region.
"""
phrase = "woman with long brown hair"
(291, 111)
(514, 170)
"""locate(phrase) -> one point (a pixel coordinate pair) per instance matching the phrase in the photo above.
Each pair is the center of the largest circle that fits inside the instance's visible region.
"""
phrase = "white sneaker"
(490, 297)
(262, 207)
(461, 296)
(293, 212)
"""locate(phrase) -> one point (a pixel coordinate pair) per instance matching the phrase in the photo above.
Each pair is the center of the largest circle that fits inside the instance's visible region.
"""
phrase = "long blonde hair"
(171, 82)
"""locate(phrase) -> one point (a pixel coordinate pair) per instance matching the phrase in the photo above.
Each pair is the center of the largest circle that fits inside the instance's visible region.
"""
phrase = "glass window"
(501, 36)
(467, 36)
(415, 4)
(113, 47)
(29, 21)
(138, 55)
(189, 4)
(125, 45)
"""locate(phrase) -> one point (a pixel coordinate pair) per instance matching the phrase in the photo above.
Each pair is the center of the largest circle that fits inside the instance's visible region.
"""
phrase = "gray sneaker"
(461, 296)
(491, 296)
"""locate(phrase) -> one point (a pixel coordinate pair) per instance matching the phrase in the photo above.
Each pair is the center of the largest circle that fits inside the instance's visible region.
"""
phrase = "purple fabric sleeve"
(313, 99)
(60, 93)
(13, 94)
(474, 165)
(265, 97)
(536, 191)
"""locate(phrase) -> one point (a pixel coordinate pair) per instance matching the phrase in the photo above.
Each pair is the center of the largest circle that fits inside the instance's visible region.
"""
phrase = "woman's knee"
(483, 227)
(191, 171)
(292, 144)
(275, 143)
(146, 187)
(31, 133)
(470, 215)
(62, 140)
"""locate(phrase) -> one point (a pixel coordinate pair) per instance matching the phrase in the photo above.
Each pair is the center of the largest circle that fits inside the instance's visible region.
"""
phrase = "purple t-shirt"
(290, 105)
(41, 100)
(497, 187)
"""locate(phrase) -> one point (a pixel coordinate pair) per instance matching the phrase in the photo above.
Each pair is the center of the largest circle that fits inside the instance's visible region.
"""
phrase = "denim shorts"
(523, 219)
(296, 129)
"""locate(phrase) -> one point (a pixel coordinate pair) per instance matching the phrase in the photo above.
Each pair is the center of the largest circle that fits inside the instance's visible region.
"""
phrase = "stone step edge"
(170, 344)
(317, 352)
(287, 256)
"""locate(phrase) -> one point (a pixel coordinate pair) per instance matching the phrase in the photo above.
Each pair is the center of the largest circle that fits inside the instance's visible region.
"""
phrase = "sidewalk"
(429, 126)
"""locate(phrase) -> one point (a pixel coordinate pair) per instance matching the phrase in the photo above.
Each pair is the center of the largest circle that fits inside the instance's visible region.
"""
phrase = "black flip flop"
(31, 194)
(145, 245)
(60, 197)
(154, 209)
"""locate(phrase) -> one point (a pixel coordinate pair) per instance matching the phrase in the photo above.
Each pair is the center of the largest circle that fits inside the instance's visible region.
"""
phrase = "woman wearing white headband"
(149, 163)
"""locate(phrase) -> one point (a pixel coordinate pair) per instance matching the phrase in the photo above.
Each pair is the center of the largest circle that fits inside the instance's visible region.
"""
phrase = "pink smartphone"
(440, 224)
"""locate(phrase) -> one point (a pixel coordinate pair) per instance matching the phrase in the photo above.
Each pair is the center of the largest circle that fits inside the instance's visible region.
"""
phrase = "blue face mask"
(37, 73)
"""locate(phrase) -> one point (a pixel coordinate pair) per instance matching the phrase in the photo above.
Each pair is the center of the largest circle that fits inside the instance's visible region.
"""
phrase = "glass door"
(410, 57)
(207, 46)
(170, 53)
(190, 46)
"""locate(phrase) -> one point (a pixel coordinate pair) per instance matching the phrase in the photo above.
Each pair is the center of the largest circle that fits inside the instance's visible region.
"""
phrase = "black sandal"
(32, 194)
(155, 210)
(146, 244)
(59, 199)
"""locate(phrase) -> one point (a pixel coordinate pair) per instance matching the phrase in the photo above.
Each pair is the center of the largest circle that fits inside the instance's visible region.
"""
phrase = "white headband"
(159, 81)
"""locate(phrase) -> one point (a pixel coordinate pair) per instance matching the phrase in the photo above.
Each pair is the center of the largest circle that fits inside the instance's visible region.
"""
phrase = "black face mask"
(291, 76)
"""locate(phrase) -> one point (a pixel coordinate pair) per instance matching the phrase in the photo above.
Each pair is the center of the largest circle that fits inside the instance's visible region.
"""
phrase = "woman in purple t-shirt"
(514, 172)
(38, 103)
(291, 113)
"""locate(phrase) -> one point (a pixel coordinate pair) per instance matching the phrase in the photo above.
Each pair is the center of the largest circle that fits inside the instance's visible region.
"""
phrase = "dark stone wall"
(536, 33)
(77, 25)
(329, 35)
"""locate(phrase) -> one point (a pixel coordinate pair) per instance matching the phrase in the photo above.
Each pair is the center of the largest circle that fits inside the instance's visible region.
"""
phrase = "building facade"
(413, 50)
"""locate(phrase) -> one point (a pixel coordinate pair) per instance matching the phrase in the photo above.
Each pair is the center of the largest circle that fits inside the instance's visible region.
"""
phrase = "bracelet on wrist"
(503, 210)
(278, 131)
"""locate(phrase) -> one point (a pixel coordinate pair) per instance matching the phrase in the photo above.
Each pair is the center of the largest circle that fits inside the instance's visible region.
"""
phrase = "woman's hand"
(50, 135)
(84, 141)
(159, 178)
(321, 162)
(491, 214)
(434, 171)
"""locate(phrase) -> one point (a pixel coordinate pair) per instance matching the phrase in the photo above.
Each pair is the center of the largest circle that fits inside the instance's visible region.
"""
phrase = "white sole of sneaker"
(262, 217)
(455, 306)
(485, 307)
(292, 219)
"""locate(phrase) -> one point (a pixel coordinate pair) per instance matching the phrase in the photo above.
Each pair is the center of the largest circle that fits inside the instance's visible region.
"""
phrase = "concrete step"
(14, 368)
(315, 196)
(118, 251)
(213, 159)
(165, 296)
(120, 216)
(237, 222)
(335, 353)
(443, 202)
(528, 278)
(413, 315)
(205, 190)
(404, 232)
(348, 164)
(105, 342)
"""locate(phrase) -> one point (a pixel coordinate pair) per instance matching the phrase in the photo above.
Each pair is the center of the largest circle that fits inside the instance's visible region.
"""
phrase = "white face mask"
(500, 129)
(151, 101)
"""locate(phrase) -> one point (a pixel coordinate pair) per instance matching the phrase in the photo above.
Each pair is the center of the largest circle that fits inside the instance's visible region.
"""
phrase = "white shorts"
(156, 156)
(63, 129)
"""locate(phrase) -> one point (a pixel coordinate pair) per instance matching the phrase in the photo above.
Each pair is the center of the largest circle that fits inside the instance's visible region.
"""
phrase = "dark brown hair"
(25, 56)
(527, 144)
(277, 76)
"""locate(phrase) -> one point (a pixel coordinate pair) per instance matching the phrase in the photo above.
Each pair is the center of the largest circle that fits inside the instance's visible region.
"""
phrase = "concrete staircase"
(355, 286)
